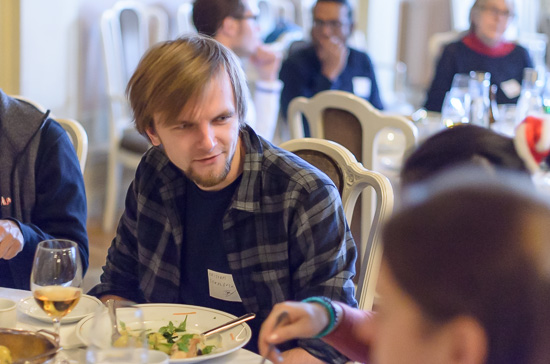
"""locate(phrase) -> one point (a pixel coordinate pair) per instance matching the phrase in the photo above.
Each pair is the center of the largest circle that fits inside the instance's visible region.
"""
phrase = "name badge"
(222, 287)
(511, 88)
(362, 86)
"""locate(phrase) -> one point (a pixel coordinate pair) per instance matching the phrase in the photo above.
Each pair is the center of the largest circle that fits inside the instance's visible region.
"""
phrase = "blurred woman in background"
(484, 49)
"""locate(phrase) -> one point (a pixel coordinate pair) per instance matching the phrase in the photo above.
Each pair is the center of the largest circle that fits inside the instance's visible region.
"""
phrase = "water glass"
(456, 108)
(123, 342)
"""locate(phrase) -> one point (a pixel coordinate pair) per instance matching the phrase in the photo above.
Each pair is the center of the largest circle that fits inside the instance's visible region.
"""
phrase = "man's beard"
(211, 179)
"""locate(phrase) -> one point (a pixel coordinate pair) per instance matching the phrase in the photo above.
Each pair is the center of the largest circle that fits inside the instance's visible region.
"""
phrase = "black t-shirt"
(203, 250)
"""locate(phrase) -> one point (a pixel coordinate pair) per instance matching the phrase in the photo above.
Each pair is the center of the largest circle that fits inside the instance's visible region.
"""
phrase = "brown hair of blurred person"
(462, 144)
(173, 72)
(478, 251)
(208, 15)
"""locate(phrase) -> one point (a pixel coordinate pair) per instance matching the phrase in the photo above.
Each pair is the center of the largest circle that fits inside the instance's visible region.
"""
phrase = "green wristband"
(327, 304)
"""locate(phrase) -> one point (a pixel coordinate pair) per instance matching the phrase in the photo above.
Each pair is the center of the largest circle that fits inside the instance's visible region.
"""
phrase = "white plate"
(159, 314)
(85, 306)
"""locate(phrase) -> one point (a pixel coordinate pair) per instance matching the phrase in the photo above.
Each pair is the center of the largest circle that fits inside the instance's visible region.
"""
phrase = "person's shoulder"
(52, 133)
(154, 168)
(359, 56)
(304, 53)
(520, 50)
(455, 47)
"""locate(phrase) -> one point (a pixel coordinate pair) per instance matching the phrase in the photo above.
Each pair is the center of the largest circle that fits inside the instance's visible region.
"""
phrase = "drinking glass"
(56, 277)
(461, 81)
(455, 109)
(117, 335)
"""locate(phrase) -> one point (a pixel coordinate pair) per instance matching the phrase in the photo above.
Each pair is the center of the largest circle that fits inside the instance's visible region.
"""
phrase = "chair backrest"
(354, 123)
(128, 30)
(369, 122)
(78, 137)
(351, 178)
(76, 132)
(185, 18)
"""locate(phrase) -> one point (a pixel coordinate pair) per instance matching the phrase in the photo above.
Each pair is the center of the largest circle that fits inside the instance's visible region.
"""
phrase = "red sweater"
(353, 335)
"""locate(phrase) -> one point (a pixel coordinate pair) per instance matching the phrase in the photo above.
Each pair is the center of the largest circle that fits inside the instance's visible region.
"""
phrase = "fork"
(283, 316)
(110, 303)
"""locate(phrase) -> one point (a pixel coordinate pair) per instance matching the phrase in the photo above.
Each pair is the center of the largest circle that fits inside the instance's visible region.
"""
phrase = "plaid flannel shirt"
(285, 235)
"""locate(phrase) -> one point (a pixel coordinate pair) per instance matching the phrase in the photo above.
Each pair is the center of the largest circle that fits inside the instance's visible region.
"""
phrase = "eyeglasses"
(332, 24)
(246, 17)
(497, 12)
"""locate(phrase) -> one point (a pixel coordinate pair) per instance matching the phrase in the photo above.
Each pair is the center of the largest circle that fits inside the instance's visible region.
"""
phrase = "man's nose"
(207, 137)
(326, 29)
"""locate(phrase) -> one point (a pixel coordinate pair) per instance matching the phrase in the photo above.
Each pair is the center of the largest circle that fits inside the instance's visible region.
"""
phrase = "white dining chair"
(354, 123)
(352, 179)
(185, 18)
(128, 30)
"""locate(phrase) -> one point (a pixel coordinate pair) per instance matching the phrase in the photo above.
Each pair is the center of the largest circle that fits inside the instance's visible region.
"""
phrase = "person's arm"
(322, 256)
(333, 56)
(352, 333)
(266, 101)
(60, 200)
(442, 80)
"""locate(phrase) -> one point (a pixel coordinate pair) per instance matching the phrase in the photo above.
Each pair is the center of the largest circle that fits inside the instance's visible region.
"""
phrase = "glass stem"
(56, 325)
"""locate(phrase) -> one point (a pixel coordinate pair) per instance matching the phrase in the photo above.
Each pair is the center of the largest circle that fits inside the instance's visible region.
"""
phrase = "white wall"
(49, 54)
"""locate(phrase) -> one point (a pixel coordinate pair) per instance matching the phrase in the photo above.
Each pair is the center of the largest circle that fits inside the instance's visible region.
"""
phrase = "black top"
(203, 250)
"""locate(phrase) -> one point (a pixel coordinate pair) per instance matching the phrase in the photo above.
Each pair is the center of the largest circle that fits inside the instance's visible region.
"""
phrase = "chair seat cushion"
(134, 141)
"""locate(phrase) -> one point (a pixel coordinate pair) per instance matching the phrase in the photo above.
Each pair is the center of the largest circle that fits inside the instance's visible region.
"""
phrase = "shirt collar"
(502, 49)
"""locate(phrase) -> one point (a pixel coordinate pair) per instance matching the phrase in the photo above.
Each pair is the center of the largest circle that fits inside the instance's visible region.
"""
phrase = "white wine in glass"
(56, 277)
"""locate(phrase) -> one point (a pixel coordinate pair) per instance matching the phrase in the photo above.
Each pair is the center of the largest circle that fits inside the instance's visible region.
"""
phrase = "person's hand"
(333, 55)
(11, 239)
(267, 62)
(304, 320)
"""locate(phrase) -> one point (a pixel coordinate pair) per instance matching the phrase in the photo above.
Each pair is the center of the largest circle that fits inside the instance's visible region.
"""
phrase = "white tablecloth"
(75, 349)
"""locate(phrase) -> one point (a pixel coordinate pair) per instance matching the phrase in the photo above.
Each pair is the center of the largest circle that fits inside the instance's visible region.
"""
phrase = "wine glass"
(56, 277)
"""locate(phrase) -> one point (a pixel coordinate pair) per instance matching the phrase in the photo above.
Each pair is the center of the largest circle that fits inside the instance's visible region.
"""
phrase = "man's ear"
(229, 27)
(468, 341)
(153, 136)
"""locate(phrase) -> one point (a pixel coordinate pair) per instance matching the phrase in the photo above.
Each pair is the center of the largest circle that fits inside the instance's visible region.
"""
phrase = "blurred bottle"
(546, 94)
(479, 85)
(530, 100)
(493, 110)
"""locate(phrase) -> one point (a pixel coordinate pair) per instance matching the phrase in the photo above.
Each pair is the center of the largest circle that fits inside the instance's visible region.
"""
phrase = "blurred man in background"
(328, 63)
(233, 24)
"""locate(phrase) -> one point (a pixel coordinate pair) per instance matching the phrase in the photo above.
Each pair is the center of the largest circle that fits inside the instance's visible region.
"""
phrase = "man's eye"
(223, 118)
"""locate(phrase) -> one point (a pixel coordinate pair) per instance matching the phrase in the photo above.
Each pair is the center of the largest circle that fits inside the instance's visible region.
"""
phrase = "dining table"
(75, 350)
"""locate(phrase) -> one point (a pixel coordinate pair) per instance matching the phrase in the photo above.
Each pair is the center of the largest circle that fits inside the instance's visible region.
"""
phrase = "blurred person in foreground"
(464, 279)
(459, 145)
(483, 49)
(329, 63)
(494, 152)
(41, 189)
(234, 24)
(215, 205)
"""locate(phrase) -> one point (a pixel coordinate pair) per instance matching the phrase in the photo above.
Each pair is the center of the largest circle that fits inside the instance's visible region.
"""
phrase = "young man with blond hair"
(214, 204)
